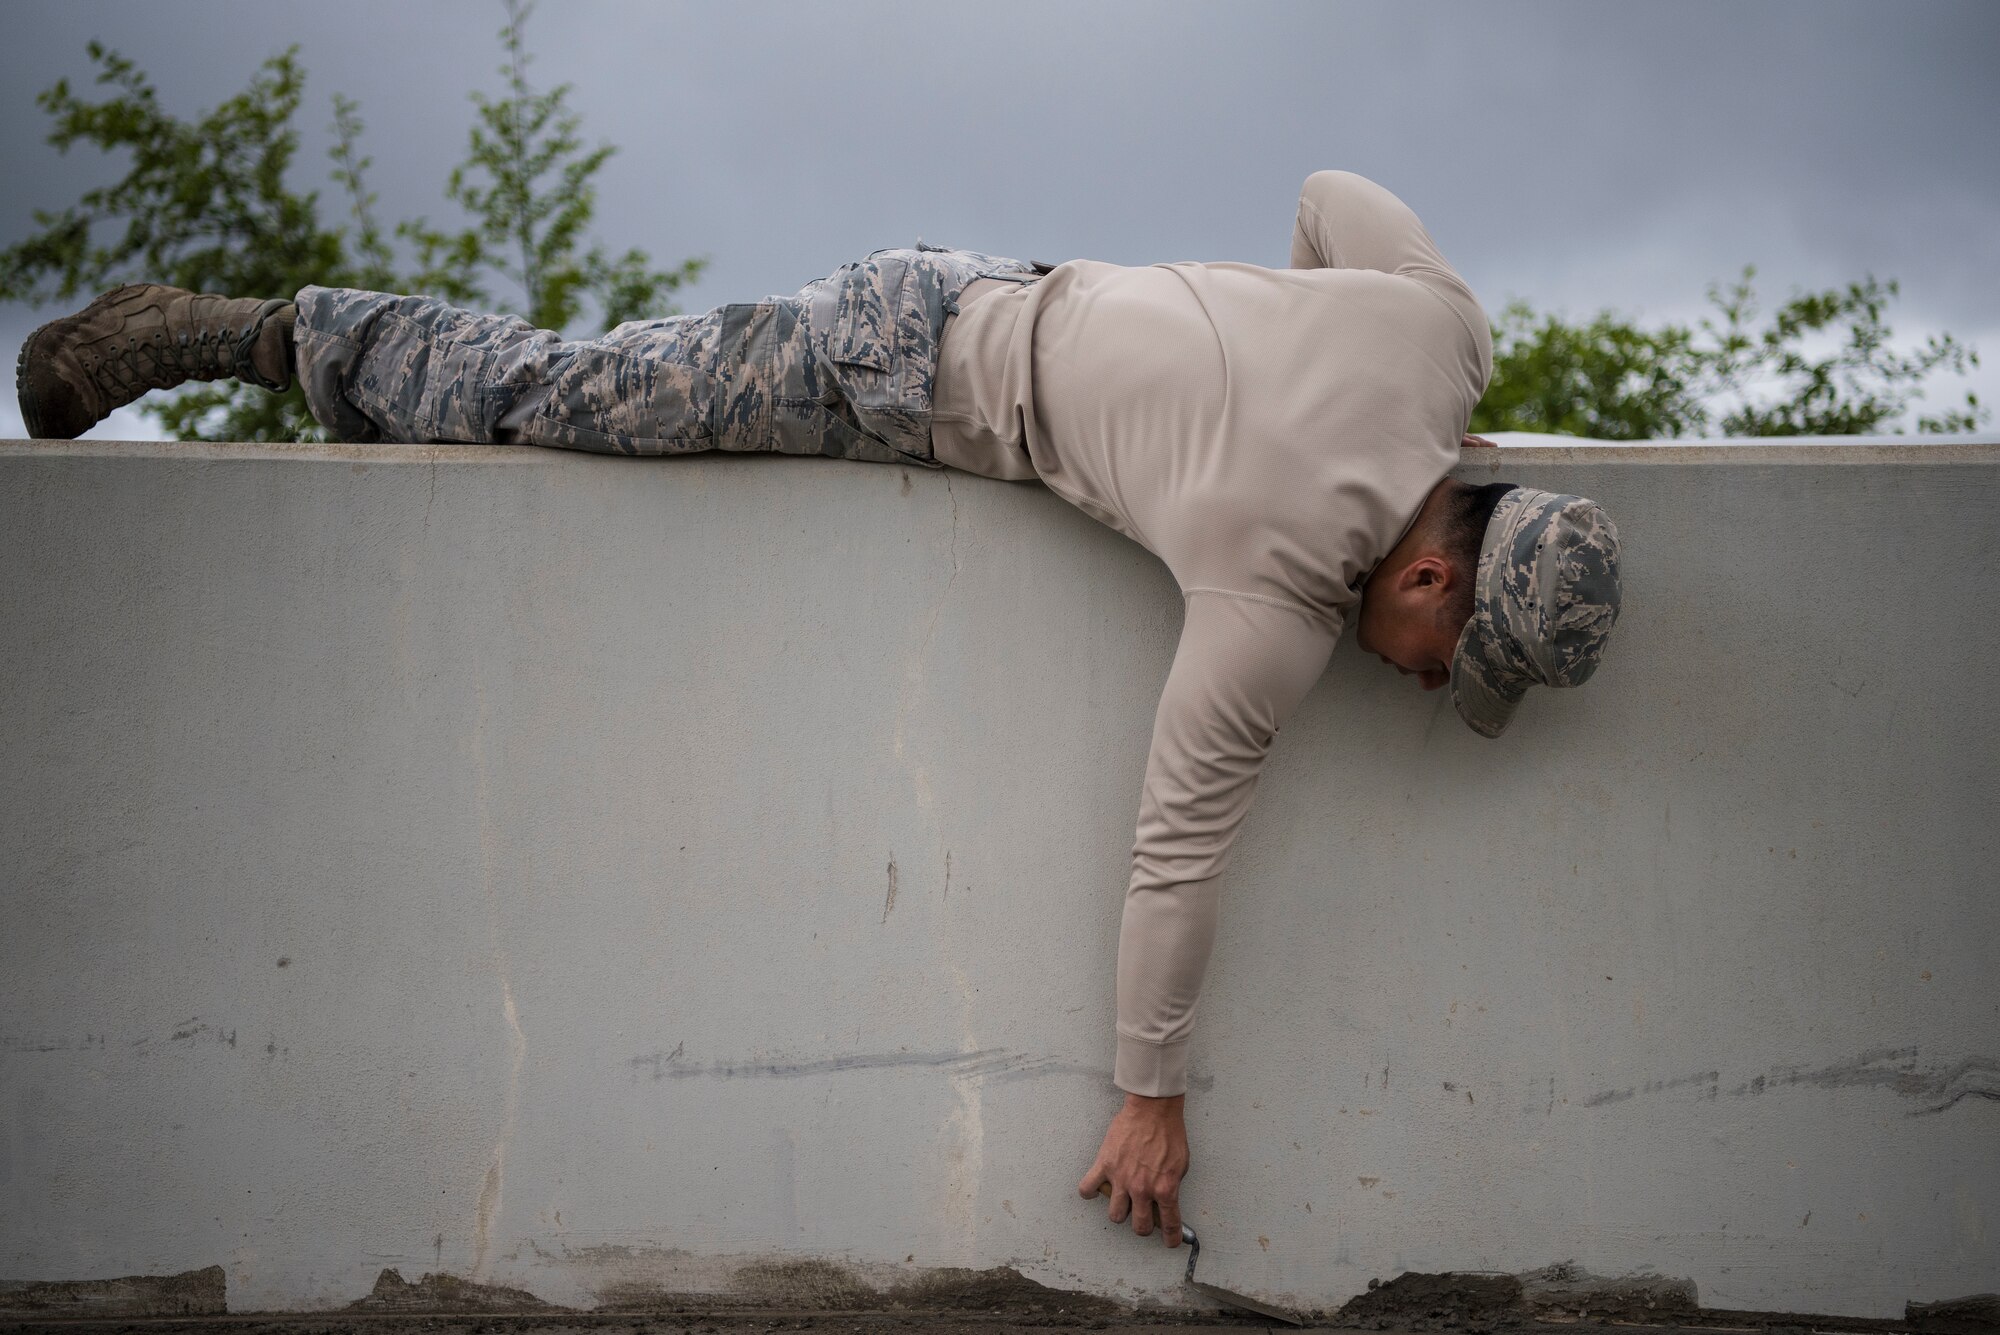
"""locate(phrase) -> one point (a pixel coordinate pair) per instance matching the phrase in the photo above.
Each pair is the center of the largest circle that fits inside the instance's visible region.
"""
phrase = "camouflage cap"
(1544, 601)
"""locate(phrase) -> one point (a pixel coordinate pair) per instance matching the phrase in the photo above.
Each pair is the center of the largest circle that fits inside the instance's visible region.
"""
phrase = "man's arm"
(1242, 667)
(1349, 222)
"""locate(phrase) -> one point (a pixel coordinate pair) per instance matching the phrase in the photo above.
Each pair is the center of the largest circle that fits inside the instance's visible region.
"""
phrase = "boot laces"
(134, 365)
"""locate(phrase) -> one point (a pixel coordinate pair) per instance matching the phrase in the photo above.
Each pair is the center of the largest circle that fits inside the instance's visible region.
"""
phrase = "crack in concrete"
(937, 608)
(430, 499)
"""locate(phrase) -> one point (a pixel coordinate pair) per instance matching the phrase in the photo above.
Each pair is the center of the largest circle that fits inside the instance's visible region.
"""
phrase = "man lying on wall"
(1281, 438)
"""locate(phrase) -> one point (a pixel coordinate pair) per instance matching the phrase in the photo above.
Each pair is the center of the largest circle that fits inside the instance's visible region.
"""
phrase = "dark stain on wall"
(1937, 1087)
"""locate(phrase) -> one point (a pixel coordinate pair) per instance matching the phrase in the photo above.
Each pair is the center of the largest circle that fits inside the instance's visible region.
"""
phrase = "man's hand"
(1476, 443)
(1144, 1157)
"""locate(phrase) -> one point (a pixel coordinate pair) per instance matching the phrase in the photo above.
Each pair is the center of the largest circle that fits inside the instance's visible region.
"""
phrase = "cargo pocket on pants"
(877, 351)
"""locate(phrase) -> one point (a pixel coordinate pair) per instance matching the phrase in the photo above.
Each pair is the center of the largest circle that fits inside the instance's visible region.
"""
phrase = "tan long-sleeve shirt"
(1268, 433)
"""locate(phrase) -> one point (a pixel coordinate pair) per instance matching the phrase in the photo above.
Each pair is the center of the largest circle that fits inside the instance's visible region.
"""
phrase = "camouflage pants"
(845, 367)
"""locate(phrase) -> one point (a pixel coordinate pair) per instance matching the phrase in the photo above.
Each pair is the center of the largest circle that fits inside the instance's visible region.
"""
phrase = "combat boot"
(74, 371)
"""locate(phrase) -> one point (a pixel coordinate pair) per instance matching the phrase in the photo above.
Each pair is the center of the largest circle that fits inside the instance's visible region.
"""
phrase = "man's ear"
(1426, 572)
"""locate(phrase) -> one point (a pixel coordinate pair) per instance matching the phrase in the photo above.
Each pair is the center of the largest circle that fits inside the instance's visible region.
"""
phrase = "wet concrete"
(1475, 1303)
(1566, 1297)
(192, 1293)
(443, 1293)
(746, 1323)
(1557, 1293)
(1567, 1291)
(790, 1287)
(864, 1323)
(1978, 1314)
(817, 1295)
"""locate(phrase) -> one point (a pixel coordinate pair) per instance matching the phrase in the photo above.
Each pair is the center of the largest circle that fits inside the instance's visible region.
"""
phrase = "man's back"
(1265, 431)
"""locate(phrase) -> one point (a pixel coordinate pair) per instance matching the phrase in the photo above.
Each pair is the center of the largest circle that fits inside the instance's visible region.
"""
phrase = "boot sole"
(31, 408)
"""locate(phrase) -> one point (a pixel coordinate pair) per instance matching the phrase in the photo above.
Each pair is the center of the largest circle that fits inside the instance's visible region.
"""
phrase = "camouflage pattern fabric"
(844, 368)
(1544, 601)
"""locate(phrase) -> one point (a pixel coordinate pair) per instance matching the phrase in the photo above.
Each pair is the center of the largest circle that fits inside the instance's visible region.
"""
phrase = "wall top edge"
(1822, 451)
(1712, 453)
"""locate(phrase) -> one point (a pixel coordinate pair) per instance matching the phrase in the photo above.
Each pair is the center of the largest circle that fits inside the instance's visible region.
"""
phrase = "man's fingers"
(1093, 1181)
(1162, 1206)
(1170, 1219)
(1142, 1214)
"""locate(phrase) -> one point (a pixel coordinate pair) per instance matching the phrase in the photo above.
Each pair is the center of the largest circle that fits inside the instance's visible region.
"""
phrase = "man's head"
(1495, 589)
(1418, 600)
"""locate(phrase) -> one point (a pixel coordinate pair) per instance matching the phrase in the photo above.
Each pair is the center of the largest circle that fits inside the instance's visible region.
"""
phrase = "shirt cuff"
(1151, 1070)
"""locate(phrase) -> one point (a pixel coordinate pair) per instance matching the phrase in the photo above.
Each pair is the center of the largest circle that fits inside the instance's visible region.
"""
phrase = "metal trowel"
(1221, 1295)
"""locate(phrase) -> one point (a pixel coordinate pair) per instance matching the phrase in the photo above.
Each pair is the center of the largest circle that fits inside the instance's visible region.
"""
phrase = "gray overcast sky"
(1578, 154)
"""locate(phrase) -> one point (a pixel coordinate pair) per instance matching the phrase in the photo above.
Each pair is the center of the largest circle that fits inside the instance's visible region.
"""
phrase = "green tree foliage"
(1607, 379)
(208, 203)
(1820, 365)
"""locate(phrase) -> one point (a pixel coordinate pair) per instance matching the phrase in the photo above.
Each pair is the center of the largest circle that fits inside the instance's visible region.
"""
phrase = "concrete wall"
(593, 876)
